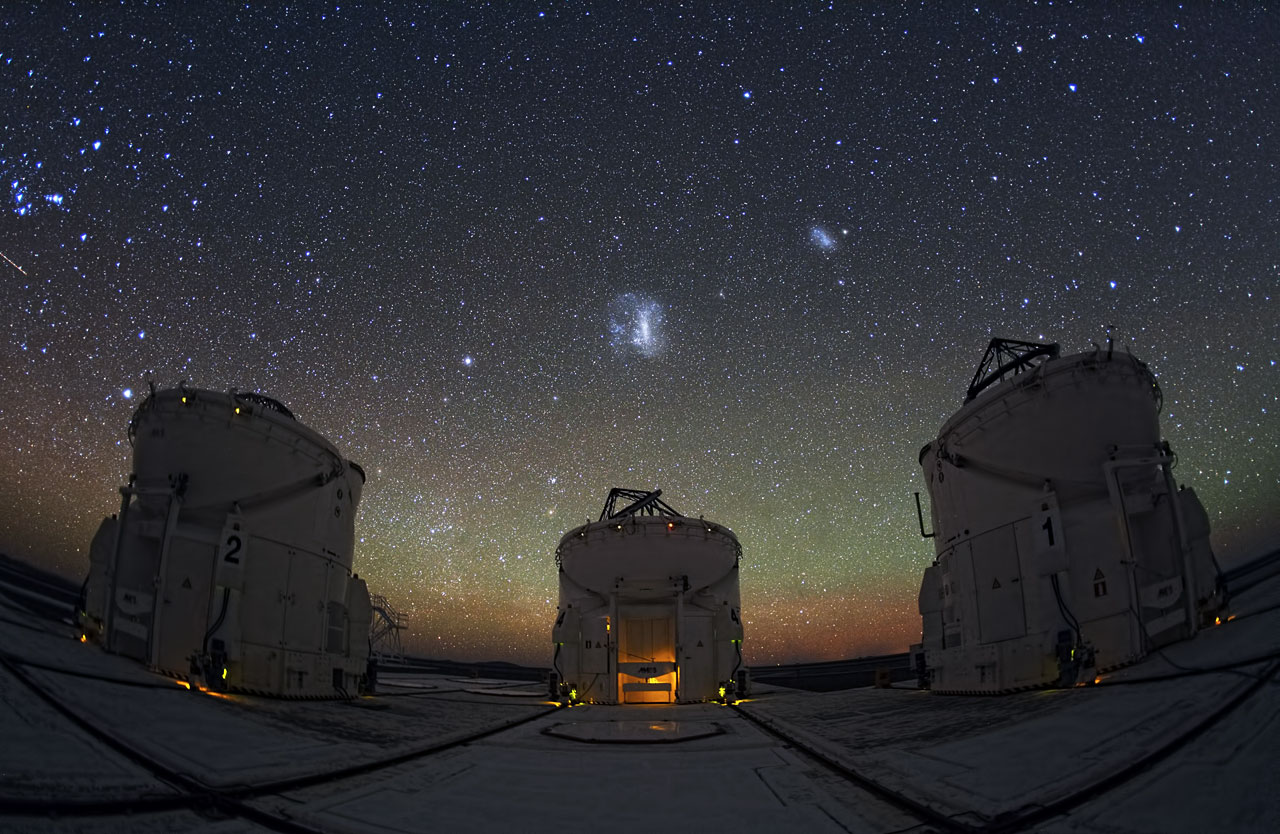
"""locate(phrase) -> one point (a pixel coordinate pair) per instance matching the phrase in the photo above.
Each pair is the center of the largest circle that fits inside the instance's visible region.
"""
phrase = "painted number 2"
(233, 547)
(1047, 527)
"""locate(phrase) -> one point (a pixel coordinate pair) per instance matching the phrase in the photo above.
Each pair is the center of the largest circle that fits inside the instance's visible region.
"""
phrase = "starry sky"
(507, 256)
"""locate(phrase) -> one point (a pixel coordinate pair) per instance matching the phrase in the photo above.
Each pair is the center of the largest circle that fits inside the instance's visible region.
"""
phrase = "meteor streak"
(12, 264)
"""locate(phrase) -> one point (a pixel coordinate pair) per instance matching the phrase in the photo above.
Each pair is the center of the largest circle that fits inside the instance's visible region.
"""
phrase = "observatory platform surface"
(92, 742)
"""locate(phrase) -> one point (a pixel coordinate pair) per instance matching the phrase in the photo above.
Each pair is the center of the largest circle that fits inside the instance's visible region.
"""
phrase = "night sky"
(507, 256)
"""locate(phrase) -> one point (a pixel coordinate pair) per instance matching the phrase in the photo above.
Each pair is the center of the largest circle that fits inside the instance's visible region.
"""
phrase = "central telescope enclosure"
(649, 607)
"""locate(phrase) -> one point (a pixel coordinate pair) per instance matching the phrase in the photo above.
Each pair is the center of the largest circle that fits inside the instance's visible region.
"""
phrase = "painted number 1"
(1047, 527)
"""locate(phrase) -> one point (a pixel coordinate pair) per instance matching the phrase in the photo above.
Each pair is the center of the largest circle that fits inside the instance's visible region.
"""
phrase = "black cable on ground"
(1071, 801)
(1159, 652)
(925, 813)
(1023, 821)
(175, 685)
(1191, 671)
(23, 806)
(300, 782)
(40, 628)
(197, 794)
(1254, 613)
(193, 794)
(74, 673)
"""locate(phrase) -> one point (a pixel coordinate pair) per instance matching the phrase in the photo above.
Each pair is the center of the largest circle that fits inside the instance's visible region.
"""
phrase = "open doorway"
(647, 656)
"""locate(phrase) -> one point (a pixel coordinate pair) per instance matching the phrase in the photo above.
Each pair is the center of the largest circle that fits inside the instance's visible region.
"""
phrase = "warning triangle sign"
(995, 584)
(1097, 574)
(186, 583)
(699, 644)
(598, 646)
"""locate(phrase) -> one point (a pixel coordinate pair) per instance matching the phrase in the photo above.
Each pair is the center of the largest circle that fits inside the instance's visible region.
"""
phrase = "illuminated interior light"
(671, 525)
(84, 639)
(224, 673)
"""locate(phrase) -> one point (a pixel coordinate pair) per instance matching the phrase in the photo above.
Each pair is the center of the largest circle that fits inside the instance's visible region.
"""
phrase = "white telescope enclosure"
(649, 607)
(230, 560)
(1063, 546)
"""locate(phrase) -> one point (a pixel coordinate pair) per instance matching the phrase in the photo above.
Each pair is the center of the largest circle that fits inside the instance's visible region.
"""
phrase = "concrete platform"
(975, 760)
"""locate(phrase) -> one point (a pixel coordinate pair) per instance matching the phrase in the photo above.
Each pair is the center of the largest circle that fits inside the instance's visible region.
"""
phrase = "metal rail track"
(927, 814)
(1024, 819)
(189, 793)
(192, 794)
(1243, 577)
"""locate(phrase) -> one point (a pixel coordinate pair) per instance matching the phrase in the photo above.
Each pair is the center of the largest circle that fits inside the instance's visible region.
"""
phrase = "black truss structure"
(1008, 357)
(642, 501)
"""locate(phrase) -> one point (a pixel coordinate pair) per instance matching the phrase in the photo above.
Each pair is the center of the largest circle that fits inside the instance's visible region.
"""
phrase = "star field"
(509, 256)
